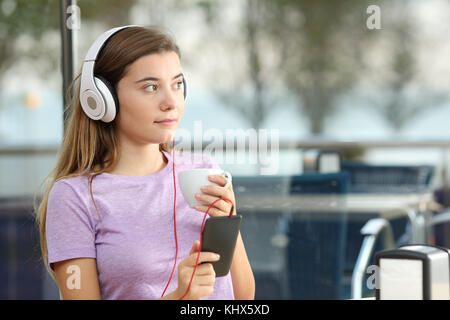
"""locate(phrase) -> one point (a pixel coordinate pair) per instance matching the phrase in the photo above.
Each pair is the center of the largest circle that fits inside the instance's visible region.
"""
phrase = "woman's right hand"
(203, 281)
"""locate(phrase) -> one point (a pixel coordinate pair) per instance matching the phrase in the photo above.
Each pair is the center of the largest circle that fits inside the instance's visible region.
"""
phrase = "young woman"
(106, 218)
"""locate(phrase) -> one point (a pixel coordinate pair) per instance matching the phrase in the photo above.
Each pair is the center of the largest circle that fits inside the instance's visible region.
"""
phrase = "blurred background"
(357, 92)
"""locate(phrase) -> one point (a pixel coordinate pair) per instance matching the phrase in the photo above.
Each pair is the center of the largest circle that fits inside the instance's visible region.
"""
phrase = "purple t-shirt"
(132, 236)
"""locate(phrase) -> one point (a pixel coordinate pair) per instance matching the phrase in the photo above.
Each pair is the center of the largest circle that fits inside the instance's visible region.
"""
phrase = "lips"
(166, 121)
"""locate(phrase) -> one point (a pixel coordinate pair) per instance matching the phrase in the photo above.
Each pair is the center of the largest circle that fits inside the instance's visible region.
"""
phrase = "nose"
(169, 100)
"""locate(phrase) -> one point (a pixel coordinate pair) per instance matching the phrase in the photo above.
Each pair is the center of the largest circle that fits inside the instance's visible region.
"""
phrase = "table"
(358, 206)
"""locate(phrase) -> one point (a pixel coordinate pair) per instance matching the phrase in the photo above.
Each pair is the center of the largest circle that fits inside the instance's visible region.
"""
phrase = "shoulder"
(70, 184)
(71, 196)
(74, 188)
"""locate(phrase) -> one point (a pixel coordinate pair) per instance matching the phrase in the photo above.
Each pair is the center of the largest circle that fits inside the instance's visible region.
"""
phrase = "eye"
(178, 85)
(151, 88)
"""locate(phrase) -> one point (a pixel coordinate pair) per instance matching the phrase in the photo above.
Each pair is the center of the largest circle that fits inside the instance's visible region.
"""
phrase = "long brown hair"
(90, 147)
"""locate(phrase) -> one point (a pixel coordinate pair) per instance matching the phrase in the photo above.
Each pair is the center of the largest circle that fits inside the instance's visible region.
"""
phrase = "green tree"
(321, 46)
(318, 46)
(401, 94)
(34, 18)
(24, 18)
(248, 93)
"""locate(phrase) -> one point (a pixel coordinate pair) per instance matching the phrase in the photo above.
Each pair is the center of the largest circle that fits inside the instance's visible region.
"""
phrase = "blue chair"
(263, 234)
(366, 178)
(20, 267)
(22, 273)
(317, 245)
(293, 257)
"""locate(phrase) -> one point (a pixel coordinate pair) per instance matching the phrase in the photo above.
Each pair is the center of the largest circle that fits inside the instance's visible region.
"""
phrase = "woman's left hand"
(211, 193)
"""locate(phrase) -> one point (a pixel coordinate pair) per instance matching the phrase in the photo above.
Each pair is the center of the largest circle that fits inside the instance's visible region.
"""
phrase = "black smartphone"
(219, 236)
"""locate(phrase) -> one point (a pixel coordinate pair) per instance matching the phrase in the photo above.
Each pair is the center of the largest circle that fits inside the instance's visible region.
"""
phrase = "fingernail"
(217, 256)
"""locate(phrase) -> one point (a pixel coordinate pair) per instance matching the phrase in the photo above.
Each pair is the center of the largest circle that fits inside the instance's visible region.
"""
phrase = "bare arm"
(241, 273)
(77, 279)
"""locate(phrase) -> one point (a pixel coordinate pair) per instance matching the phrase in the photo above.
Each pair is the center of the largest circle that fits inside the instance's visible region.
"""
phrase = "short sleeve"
(70, 232)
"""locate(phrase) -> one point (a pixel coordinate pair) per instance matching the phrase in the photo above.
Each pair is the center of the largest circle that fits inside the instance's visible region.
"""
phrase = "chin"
(162, 136)
(165, 140)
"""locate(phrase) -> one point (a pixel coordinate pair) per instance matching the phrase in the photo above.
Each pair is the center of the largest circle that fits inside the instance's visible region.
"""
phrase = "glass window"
(30, 131)
(327, 113)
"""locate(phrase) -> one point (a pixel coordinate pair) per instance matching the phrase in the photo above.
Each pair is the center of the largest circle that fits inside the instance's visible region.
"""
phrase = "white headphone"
(97, 96)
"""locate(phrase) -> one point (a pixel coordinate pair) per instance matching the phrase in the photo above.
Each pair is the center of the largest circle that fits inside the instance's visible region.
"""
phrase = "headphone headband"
(100, 42)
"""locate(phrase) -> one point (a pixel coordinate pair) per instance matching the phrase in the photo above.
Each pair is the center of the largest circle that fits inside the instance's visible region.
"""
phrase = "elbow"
(251, 289)
(246, 292)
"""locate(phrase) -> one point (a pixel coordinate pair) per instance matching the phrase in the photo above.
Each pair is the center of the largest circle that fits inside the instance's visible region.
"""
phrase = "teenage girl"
(106, 218)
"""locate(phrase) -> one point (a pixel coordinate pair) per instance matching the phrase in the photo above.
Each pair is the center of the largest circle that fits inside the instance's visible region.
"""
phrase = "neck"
(139, 160)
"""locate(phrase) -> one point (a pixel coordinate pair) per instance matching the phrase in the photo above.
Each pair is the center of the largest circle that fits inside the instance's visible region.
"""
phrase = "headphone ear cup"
(109, 95)
(184, 88)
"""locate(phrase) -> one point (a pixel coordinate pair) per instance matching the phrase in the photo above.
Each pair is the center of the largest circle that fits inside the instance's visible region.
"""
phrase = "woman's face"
(151, 91)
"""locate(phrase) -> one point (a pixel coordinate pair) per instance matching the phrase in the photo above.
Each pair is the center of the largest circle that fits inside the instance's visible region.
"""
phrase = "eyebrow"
(156, 79)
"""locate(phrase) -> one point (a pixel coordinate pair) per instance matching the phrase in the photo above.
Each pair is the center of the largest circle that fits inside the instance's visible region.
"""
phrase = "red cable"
(175, 228)
(174, 217)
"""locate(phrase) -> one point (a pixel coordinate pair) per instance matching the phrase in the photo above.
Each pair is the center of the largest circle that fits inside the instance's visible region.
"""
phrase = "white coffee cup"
(192, 180)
